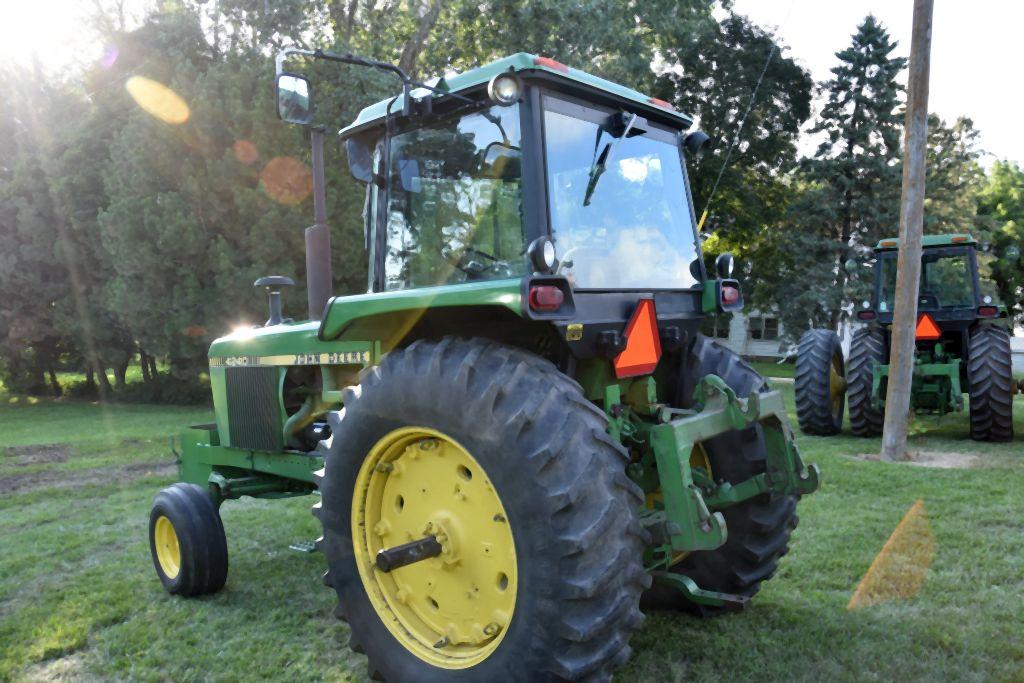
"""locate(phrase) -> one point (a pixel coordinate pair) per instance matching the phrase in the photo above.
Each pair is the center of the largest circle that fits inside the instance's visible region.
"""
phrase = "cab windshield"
(946, 280)
(620, 215)
(454, 208)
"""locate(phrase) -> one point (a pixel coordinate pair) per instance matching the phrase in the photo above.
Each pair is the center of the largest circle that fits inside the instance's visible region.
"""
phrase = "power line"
(743, 119)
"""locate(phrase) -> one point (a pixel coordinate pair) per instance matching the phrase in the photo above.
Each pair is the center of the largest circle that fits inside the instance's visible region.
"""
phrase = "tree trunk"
(105, 390)
(412, 49)
(90, 378)
(120, 375)
(151, 359)
(144, 366)
(54, 384)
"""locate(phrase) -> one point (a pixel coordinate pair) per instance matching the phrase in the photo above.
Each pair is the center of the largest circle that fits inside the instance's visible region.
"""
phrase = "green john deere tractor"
(962, 341)
(518, 434)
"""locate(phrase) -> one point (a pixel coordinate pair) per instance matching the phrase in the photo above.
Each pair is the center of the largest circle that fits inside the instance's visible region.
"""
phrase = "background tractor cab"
(962, 346)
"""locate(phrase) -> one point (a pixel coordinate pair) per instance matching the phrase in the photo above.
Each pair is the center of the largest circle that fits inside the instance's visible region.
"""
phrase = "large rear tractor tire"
(759, 528)
(187, 541)
(990, 376)
(867, 347)
(820, 383)
(500, 458)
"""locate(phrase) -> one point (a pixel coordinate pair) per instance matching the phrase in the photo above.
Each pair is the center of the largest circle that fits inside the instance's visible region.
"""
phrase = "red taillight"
(988, 311)
(730, 295)
(549, 63)
(660, 103)
(546, 298)
(866, 315)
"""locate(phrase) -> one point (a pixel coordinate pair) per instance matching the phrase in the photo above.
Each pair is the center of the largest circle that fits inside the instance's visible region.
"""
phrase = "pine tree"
(850, 188)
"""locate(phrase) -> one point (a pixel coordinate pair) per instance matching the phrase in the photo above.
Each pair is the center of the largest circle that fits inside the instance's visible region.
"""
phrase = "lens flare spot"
(157, 100)
(287, 180)
(899, 569)
(245, 152)
(109, 57)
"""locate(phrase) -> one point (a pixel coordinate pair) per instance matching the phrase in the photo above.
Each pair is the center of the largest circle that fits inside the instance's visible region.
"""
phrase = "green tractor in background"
(518, 434)
(962, 340)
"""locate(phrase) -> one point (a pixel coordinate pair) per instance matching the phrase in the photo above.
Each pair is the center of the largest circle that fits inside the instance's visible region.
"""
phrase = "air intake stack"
(318, 235)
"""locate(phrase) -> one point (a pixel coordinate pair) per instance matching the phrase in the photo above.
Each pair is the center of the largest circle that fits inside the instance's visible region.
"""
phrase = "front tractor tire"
(990, 379)
(867, 347)
(758, 528)
(489, 468)
(820, 383)
(187, 541)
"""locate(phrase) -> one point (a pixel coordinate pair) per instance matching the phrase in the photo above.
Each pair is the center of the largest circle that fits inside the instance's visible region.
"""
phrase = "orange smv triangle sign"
(643, 344)
(926, 328)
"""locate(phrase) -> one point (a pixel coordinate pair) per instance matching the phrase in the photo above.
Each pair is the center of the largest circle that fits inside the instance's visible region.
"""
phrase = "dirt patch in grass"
(70, 667)
(39, 454)
(69, 479)
(945, 460)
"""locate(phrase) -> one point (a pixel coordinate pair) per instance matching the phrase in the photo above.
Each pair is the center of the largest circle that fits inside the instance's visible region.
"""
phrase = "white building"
(752, 335)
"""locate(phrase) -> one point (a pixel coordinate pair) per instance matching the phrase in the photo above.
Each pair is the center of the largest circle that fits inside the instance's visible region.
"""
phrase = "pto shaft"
(407, 553)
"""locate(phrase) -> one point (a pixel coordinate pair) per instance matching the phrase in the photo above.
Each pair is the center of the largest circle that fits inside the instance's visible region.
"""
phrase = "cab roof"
(952, 240)
(520, 62)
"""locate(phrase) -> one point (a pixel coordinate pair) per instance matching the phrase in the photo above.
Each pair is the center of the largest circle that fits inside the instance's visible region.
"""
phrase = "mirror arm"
(407, 82)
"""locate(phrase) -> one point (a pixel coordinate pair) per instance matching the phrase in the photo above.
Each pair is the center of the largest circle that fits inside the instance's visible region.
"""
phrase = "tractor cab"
(950, 301)
(528, 177)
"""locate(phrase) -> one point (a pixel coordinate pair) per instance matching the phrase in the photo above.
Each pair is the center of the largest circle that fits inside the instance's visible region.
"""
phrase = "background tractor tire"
(820, 373)
(187, 542)
(561, 479)
(759, 528)
(990, 379)
(867, 347)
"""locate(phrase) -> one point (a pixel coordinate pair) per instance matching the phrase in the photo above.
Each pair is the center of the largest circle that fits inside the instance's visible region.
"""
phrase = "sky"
(975, 56)
(975, 70)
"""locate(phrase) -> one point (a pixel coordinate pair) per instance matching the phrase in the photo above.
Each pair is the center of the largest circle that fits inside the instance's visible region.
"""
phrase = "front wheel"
(187, 541)
(507, 526)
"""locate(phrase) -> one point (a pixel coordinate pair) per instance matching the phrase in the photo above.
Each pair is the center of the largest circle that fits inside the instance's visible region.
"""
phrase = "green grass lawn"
(773, 369)
(79, 598)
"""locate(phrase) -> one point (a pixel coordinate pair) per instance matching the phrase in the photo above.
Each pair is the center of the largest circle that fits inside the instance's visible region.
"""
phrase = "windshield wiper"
(601, 163)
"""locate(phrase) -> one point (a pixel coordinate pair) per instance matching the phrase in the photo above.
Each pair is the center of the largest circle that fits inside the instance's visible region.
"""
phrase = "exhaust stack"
(318, 235)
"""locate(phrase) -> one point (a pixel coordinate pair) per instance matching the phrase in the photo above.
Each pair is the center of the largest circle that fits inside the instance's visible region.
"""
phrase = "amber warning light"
(643, 345)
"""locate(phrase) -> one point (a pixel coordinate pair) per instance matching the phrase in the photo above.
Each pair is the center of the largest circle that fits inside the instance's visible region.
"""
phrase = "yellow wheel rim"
(453, 610)
(168, 552)
(836, 384)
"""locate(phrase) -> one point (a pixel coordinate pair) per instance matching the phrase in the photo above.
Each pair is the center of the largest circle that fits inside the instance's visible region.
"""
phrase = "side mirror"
(294, 99)
(694, 141)
(724, 265)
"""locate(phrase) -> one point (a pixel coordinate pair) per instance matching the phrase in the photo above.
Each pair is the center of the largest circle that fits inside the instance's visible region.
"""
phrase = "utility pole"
(908, 267)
